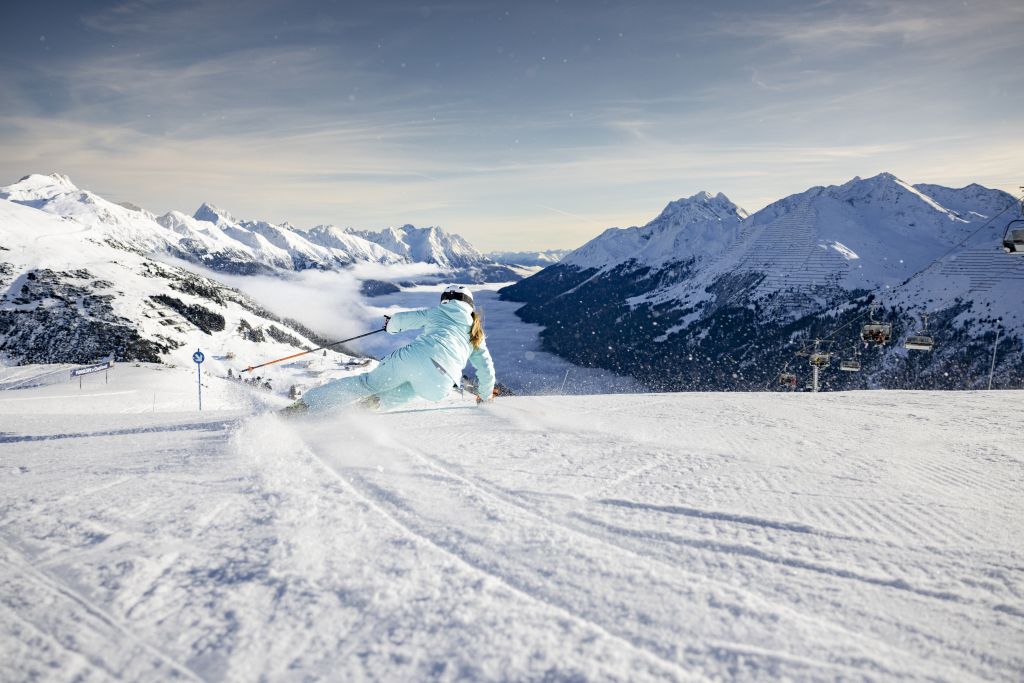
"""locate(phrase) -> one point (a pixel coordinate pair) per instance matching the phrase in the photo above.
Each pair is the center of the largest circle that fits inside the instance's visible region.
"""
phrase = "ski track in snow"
(869, 535)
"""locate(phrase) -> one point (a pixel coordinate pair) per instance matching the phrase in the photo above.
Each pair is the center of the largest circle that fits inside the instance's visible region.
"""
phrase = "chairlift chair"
(922, 341)
(873, 331)
(876, 333)
(1013, 238)
(851, 363)
(919, 342)
(820, 359)
(787, 379)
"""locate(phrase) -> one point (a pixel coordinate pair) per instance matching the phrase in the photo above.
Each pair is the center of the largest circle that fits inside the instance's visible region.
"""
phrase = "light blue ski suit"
(428, 367)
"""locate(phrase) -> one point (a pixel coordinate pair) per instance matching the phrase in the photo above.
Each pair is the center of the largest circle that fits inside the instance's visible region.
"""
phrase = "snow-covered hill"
(729, 536)
(704, 296)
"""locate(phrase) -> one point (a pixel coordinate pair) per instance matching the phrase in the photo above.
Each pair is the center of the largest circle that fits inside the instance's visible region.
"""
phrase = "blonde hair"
(476, 331)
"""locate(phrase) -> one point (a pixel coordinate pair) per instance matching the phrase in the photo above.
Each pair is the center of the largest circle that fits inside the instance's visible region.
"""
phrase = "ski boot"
(296, 409)
(371, 403)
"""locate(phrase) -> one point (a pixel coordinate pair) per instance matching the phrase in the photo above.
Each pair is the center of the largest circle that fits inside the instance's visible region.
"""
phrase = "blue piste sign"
(198, 358)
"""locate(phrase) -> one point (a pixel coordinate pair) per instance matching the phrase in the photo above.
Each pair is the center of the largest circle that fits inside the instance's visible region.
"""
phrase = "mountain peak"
(697, 226)
(885, 176)
(60, 179)
(210, 213)
(881, 180)
(38, 186)
(886, 188)
(63, 179)
(37, 181)
(49, 179)
(702, 204)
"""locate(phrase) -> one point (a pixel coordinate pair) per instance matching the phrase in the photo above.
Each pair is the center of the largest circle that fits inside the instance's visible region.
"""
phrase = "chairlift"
(851, 363)
(1013, 238)
(875, 332)
(787, 379)
(820, 359)
(919, 342)
(922, 341)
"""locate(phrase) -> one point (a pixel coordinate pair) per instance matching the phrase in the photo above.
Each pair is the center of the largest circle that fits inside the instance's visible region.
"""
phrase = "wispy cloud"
(572, 215)
(518, 126)
(840, 28)
(134, 17)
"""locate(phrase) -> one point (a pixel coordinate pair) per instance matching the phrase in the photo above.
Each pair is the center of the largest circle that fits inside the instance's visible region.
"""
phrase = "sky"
(519, 125)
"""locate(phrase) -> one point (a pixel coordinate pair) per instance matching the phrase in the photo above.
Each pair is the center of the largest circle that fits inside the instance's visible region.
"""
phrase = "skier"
(427, 368)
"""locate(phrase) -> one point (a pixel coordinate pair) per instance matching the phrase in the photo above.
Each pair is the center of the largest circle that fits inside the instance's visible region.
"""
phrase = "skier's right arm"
(484, 366)
(407, 320)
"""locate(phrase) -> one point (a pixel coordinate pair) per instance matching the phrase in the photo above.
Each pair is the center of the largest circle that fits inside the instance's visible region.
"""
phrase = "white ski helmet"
(458, 293)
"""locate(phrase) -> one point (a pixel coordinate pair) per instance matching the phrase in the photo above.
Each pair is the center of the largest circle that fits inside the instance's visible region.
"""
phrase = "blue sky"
(518, 125)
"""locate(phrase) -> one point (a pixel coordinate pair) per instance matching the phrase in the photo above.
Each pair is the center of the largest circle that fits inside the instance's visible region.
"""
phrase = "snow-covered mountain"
(211, 238)
(705, 296)
(72, 293)
(698, 227)
(283, 246)
(433, 245)
(215, 239)
(529, 259)
(333, 237)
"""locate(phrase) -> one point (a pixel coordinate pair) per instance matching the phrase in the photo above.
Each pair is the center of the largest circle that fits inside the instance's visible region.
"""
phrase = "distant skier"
(427, 368)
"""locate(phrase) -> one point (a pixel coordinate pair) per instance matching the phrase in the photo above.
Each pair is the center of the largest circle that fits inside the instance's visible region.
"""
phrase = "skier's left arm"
(481, 361)
(406, 320)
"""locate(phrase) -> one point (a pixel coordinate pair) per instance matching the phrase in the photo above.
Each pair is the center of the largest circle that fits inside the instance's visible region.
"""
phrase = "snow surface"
(868, 535)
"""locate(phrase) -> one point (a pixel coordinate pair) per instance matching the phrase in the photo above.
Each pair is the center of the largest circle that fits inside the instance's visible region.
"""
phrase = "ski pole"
(303, 353)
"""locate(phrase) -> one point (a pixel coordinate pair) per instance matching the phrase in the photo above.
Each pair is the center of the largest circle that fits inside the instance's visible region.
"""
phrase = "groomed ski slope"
(870, 535)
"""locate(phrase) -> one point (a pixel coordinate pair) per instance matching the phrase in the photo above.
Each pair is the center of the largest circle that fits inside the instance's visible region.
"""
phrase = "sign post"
(198, 358)
(103, 366)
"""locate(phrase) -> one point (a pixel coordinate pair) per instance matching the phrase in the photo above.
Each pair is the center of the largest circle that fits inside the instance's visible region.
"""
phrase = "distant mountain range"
(529, 259)
(708, 297)
(82, 277)
(703, 297)
(217, 240)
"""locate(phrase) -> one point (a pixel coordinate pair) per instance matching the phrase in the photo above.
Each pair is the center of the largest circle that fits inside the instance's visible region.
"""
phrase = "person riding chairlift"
(426, 368)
